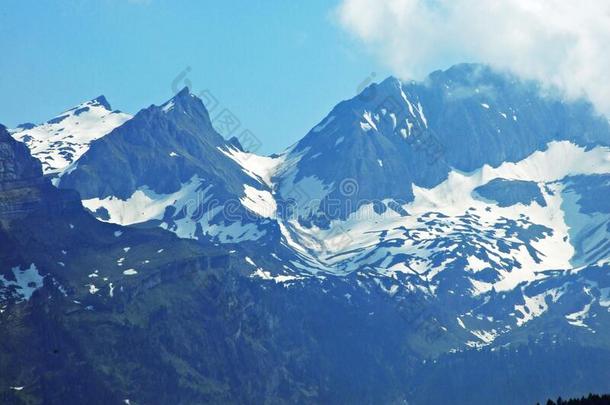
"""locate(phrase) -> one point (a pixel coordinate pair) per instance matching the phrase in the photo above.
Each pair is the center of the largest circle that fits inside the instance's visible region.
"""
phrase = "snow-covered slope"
(60, 141)
(451, 227)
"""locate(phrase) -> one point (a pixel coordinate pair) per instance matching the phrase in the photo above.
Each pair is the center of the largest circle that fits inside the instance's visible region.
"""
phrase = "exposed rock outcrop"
(23, 189)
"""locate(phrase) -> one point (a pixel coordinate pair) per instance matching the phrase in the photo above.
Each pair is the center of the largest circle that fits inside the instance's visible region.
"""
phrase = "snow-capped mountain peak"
(63, 139)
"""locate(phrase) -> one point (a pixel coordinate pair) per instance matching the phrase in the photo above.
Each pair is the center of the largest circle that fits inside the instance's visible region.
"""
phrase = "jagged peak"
(181, 99)
(183, 93)
(101, 100)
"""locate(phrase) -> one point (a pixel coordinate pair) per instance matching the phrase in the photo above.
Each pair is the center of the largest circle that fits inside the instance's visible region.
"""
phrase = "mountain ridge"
(375, 259)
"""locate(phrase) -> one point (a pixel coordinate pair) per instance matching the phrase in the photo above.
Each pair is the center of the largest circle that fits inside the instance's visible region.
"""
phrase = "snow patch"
(26, 281)
(261, 202)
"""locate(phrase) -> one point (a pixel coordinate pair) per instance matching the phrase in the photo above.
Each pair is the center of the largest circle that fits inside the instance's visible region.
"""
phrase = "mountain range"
(422, 235)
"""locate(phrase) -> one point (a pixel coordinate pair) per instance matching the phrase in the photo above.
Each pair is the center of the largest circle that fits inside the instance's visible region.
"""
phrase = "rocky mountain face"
(170, 153)
(395, 136)
(421, 234)
(23, 190)
(161, 147)
(18, 166)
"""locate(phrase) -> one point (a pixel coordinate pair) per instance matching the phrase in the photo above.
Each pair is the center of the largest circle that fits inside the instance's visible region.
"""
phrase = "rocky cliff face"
(23, 189)
(17, 166)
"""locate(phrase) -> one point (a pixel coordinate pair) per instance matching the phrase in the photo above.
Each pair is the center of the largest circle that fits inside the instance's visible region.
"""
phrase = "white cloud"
(562, 43)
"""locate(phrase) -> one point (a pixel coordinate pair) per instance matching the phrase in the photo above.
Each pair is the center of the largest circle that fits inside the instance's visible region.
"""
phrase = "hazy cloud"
(560, 42)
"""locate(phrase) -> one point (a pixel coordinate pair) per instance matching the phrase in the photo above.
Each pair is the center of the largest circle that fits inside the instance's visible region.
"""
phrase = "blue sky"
(278, 66)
